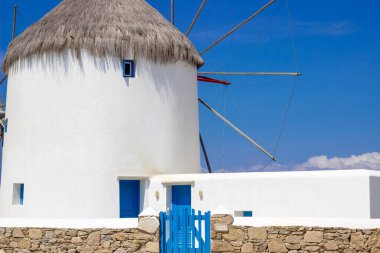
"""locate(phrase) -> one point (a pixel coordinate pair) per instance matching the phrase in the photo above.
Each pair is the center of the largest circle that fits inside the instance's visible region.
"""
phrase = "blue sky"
(336, 107)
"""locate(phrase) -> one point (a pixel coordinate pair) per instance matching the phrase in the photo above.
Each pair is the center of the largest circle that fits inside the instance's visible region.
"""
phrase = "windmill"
(203, 76)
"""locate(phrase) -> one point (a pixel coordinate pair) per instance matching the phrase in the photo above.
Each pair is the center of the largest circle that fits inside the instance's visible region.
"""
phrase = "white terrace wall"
(335, 194)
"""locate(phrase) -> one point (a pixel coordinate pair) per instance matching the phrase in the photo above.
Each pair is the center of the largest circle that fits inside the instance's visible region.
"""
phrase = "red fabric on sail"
(212, 80)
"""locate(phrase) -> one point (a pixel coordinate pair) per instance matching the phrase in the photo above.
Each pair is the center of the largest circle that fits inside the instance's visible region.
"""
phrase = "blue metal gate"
(184, 230)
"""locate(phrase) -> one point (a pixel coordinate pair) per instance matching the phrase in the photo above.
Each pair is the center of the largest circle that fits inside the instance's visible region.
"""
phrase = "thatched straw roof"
(122, 28)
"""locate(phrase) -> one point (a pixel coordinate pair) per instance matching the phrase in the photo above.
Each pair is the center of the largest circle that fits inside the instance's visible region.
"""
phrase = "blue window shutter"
(129, 198)
(247, 214)
(129, 68)
(6, 125)
(21, 194)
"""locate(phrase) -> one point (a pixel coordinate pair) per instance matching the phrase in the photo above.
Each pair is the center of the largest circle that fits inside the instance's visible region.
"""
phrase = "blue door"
(129, 198)
(181, 197)
(181, 204)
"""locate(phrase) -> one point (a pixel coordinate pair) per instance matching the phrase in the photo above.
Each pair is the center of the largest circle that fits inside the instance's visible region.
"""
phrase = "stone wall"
(229, 238)
(225, 238)
(77, 240)
(144, 238)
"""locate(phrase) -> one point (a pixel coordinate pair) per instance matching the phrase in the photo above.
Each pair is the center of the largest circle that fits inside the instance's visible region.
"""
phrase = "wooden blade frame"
(237, 27)
(236, 129)
(250, 73)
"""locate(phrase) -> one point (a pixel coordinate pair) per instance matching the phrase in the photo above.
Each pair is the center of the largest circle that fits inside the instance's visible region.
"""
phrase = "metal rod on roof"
(250, 73)
(196, 17)
(205, 154)
(14, 21)
(236, 129)
(172, 12)
(237, 27)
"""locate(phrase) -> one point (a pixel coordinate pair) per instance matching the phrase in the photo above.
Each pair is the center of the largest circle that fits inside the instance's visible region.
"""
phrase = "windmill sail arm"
(205, 154)
(3, 79)
(196, 17)
(250, 73)
(236, 129)
(212, 80)
(237, 27)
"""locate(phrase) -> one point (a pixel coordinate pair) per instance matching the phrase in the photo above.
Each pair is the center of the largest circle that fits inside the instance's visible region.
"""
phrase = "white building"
(103, 122)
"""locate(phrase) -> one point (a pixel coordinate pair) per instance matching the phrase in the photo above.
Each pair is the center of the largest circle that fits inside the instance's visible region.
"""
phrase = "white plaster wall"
(76, 127)
(334, 194)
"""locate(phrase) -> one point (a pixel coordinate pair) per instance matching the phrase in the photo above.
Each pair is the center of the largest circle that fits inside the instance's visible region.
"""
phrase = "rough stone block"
(276, 245)
(25, 243)
(35, 233)
(257, 233)
(221, 228)
(263, 247)
(234, 234)
(222, 219)
(221, 246)
(149, 224)
(374, 241)
(141, 236)
(292, 246)
(313, 236)
(120, 236)
(331, 245)
(49, 234)
(58, 231)
(17, 233)
(312, 248)
(247, 247)
(153, 247)
(71, 232)
(93, 239)
(293, 239)
(357, 240)
(76, 240)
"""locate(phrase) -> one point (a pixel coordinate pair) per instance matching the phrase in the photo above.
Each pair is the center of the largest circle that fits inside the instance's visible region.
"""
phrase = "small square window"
(6, 125)
(18, 194)
(128, 68)
(243, 213)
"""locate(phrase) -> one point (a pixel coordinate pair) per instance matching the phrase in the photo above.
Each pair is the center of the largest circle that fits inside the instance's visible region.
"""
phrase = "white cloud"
(369, 161)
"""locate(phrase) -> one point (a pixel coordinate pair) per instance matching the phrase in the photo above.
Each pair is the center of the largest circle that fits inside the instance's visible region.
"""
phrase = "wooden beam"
(250, 73)
(212, 80)
(14, 22)
(205, 154)
(236, 129)
(237, 27)
(172, 11)
(2, 80)
(196, 17)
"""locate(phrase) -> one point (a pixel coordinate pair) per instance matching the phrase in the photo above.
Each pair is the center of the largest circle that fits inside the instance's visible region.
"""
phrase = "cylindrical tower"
(97, 91)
